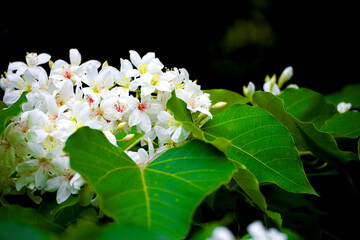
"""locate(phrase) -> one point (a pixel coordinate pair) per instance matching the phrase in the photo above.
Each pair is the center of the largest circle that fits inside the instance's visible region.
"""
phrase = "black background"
(320, 39)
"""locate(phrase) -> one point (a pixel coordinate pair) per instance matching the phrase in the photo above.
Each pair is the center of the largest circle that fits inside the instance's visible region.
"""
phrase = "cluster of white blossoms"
(90, 94)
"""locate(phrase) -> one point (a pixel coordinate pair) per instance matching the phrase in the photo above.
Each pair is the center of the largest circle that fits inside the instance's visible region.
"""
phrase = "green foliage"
(161, 196)
(349, 94)
(249, 157)
(8, 113)
(307, 105)
(305, 134)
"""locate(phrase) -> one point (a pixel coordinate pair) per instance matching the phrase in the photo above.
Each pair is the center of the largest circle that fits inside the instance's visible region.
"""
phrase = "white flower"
(272, 87)
(257, 231)
(67, 183)
(141, 157)
(139, 115)
(152, 82)
(221, 233)
(99, 82)
(32, 62)
(148, 63)
(195, 101)
(343, 107)
(116, 107)
(62, 70)
(171, 128)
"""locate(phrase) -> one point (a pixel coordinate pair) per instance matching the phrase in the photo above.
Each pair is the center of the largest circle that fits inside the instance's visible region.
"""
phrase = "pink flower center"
(119, 108)
(67, 74)
(143, 106)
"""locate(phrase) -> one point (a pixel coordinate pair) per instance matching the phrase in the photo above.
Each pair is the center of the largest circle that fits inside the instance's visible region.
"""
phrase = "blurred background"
(222, 44)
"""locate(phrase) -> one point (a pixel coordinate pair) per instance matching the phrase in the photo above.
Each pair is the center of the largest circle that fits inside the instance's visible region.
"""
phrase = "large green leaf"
(159, 197)
(257, 140)
(305, 134)
(307, 105)
(8, 113)
(343, 125)
(252, 137)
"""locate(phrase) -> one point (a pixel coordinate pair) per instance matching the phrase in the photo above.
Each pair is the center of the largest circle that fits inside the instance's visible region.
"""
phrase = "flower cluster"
(90, 94)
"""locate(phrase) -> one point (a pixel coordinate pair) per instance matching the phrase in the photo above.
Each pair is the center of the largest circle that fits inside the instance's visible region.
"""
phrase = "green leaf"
(2, 105)
(28, 216)
(343, 125)
(11, 231)
(159, 197)
(251, 136)
(307, 105)
(349, 94)
(254, 138)
(7, 114)
(305, 134)
(178, 108)
(224, 95)
(250, 185)
(127, 231)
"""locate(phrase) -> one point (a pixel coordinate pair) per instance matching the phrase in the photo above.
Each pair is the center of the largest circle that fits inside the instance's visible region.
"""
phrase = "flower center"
(143, 106)
(67, 74)
(119, 108)
(142, 68)
(155, 79)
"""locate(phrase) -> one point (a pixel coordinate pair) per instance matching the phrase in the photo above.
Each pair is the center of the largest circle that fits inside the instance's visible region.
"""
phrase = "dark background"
(223, 44)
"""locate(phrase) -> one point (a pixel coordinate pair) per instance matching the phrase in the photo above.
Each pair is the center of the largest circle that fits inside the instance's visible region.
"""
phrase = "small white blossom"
(343, 107)
(221, 233)
(257, 231)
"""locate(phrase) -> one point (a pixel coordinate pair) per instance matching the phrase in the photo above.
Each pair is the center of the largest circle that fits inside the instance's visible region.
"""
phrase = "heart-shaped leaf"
(159, 197)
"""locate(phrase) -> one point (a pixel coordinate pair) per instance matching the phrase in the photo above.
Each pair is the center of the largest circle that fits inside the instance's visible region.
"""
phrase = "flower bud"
(219, 105)
(128, 137)
(121, 126)
(249, 90)
(51, 63)
(285, 76)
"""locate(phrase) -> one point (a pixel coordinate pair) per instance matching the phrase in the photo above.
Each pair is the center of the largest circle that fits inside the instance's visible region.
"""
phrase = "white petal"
(155, 66)
(111, 137)
(134, 118)
(10, 97)
(257, 230)
(135, 58)
(43, 58)
(36, 150)
(63, 192)
(40, 178)
(53, 184)
(58, 65)
(91, 74)
(75, 57)
(147, 58)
